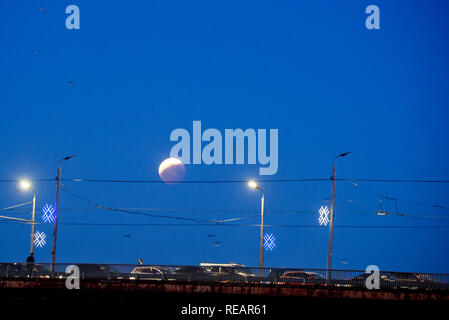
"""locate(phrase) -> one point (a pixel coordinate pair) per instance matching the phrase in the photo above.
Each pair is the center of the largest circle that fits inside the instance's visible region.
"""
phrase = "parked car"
(150, 273)
(96, 271)
(20, 270)
(396, 280)
(415, 280)
(228, 272)
(431, 282)
(302, 277)
(190, 273)
(275, 274)
(405, 280)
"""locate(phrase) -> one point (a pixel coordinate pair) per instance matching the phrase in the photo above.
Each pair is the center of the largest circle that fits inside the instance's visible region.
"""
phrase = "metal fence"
(230, 274)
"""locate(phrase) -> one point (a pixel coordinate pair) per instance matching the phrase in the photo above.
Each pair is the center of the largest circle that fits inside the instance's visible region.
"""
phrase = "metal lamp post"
(331, 222)
(26, 185)
(252, 184)
(55, 229)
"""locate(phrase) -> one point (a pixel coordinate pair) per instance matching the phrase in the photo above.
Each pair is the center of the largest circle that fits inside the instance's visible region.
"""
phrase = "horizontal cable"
(17, 219)
(235, 181)
(99, 206)
(248, 225)
(16, 206)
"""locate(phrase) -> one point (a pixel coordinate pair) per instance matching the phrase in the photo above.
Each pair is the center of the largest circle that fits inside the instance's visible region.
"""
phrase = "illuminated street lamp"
(26, 185)
(331, 223)
(55, 229)
(253, 185)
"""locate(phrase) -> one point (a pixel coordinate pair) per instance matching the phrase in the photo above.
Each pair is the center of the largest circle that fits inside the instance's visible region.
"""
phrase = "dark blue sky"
(310, 69)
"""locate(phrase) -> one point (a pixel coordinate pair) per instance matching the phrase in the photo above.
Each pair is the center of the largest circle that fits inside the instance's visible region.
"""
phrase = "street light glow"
(252, 184)
(25, 184)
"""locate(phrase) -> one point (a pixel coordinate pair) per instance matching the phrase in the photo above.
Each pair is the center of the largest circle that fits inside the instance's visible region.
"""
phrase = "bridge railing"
(232, 274)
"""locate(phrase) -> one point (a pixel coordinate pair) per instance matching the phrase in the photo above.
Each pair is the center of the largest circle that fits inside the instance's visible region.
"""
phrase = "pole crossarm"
(18, 219)
(16, 206)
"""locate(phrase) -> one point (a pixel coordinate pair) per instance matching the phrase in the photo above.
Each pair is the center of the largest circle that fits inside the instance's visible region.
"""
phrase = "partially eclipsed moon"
(172, 170)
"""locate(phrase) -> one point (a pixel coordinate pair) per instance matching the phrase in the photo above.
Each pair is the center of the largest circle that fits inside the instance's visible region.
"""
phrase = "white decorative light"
(39, 239)
(268, 242)
(324, 216)
(48, 213)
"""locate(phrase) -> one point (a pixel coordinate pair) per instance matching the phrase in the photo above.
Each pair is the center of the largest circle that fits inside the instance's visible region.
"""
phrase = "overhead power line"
(132, 211)
(16, 206)
(235, 181)
(261, 181)
(238, 225)
(254, 213)
(247, 225)
(100, 206)
(384, 196)
(16, 219)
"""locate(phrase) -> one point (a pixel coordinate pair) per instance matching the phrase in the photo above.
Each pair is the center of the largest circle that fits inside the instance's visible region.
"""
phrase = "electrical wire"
(382, 195)
(235, 225)
(248, 225)
(16, 206)
(261, 181)
(18, 219)
(254, 213)
(237, 181)
(99, 206)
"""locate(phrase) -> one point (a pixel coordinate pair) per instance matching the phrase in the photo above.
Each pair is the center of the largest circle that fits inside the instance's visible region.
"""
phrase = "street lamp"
(253, 185)
(55, 228)
(26, 185)
(331, 223)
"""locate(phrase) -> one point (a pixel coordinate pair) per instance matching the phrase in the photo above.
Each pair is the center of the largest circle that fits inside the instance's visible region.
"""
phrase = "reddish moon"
(172, 170)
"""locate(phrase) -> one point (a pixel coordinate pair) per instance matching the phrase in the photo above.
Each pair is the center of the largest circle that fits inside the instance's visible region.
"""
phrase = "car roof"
(208, 264)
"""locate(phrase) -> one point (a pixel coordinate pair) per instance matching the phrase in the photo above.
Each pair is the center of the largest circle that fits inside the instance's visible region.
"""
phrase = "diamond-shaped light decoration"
(324, 216)
(268, 242)
(48, 214)
(39, 239)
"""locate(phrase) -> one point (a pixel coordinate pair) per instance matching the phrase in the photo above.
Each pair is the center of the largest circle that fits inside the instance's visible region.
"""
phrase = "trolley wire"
(234, 181)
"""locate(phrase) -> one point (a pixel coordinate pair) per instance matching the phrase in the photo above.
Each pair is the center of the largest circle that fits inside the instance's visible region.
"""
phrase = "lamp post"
(253, 185)
(331, 222)
(26, 185)
(55, 228)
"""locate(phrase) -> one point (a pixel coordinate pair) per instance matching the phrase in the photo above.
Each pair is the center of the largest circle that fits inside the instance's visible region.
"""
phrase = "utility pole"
(55, 228)
(331, 222)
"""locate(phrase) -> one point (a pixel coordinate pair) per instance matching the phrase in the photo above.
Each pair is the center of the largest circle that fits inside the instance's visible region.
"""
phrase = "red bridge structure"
(175, 287)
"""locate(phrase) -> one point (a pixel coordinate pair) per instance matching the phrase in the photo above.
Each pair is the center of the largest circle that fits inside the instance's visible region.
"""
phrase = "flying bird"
(42, 9)
(70, 82)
